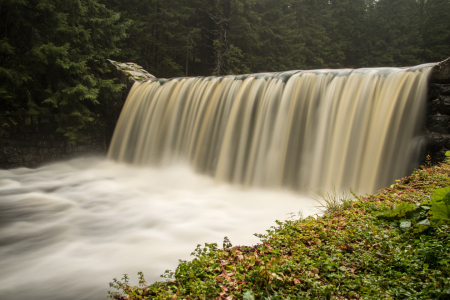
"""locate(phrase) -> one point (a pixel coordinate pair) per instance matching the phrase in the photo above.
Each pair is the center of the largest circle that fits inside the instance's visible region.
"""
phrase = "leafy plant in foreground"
(420, 217)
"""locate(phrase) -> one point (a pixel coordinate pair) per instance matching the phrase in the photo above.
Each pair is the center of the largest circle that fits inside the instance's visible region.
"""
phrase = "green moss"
(348, 254)
(126, 68)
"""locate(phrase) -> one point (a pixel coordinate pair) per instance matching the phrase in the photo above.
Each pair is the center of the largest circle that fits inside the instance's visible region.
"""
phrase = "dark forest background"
(52, 52)
(216, 37)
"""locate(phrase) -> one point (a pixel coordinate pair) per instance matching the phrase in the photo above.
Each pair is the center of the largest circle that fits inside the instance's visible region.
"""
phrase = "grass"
(358, 250)
(333, 202)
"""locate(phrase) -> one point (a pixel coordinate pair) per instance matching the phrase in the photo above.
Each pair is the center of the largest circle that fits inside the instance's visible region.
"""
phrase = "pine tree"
(53, 57)
(435, 31)
(347, 33)
(392, 29)
(281, 46)
(162, 34)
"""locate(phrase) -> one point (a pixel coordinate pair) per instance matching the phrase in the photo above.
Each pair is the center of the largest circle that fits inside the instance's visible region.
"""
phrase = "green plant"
(419, 217)
(440, 206)
(332, 202)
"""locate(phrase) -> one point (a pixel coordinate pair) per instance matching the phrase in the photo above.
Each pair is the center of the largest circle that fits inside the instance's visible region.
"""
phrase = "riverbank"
(391, 245)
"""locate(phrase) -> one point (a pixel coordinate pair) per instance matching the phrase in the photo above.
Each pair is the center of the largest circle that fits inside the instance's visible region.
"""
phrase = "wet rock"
(128, 73)
(445, 89)
(435, 141)
(57, 143)
(446, 141)
(439, 124)
(43, 144)
(29, 157)
(441, 72)
(444, 102)
(434, 91)
(438, 157)
(433, 106)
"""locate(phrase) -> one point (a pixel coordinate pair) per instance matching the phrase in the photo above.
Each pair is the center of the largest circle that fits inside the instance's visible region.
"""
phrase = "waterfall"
(299, 129)
(69, 227)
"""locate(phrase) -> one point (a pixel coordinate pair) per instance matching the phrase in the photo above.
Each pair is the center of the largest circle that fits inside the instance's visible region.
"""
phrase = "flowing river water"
(66, 229)
(194, 160)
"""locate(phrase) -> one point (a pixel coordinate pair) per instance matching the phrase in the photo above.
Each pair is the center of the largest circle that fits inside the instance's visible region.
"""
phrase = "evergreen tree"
(162, 34)
(435, 30)
(316, 24)
(53, 55)
(392, 31)
(348, 33)
(281, 47)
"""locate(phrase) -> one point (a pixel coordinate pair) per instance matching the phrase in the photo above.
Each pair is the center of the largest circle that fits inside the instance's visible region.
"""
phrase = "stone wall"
(31, 140)
(437, 122)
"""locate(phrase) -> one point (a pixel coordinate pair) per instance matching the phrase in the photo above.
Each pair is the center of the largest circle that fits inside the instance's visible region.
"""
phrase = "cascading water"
(299, 129)
(68, 228)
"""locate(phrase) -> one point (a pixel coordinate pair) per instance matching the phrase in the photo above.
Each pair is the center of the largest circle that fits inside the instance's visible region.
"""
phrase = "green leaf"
(440, 212)
(252, 261)
(405, 224)
(446, 199)
(439, 194)
(248, 295)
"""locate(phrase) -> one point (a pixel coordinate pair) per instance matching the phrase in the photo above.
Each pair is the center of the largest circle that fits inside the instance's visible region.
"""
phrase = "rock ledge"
(128, 73)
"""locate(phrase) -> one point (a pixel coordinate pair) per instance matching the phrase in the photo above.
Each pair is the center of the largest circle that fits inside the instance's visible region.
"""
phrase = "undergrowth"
(392, 245)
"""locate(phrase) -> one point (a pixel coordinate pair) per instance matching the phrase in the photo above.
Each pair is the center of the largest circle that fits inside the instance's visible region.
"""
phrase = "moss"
(126, 68)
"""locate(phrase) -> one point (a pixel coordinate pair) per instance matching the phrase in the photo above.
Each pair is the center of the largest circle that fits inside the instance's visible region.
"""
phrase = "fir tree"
(53, 58)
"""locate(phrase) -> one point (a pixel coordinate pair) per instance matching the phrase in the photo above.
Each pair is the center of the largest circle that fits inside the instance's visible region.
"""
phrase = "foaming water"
(68, 228)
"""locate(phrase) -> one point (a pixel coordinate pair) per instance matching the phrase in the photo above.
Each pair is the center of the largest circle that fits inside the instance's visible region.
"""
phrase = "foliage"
(52, 56)
(205, 37)
(351, 253)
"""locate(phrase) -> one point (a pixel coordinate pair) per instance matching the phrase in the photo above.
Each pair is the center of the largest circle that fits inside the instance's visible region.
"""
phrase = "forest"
(52, 52)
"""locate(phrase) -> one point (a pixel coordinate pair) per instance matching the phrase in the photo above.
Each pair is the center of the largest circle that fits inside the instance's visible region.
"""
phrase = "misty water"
(68, 228)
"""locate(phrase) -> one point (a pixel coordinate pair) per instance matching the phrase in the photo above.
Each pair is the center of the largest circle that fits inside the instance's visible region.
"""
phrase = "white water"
(68, 228)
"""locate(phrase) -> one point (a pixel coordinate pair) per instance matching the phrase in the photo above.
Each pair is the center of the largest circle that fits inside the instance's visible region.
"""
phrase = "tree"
(53, 55)
(162, 35)
(281, 45)
(348, 32)
(392, 32)
(435, 30)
